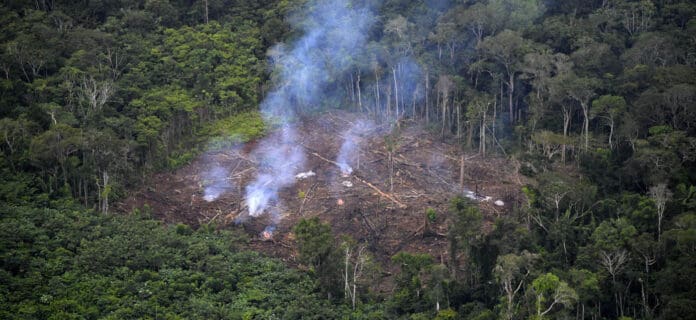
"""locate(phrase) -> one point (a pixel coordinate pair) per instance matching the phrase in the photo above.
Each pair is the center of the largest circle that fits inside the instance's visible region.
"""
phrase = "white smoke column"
(216, 178)
(282, 157)
(216, 183)
(334, 31)
(349, 152)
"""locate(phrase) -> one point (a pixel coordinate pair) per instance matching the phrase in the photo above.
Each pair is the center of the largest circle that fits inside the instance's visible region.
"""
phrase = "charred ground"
(426, 174)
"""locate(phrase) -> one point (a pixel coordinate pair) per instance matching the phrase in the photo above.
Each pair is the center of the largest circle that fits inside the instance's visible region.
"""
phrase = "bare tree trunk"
(483, 134)
(461, 171)
(391, 171)
(470, 135)
(105, 197)
(459, 122)
(611, 132)
(357, 273)
(351, 88)
(389, 102)
(586, 127)
(660, 194)
(396, 94)
(360, 106)
(444, 112)
(566, 125)
(437, 103)
(646, 309)
(495, 114)
(205, 2)
(377, 109)
(346, 286)
(427, 94)
(413, 105)
(511, 89)
(377, 106)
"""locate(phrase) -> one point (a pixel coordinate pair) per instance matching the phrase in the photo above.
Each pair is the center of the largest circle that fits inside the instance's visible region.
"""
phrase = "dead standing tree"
(444, 87)
(356, 262)
(660, 194)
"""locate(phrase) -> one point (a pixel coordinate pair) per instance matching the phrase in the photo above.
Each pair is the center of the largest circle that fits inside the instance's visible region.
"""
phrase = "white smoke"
(216, 183)
(334, 31)
(349, 153)
(281, 158)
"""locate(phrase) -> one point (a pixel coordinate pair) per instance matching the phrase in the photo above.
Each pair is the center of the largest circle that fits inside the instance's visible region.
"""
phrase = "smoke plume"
(216, 183)
(334, 30)
(281, 158)
(348, 155)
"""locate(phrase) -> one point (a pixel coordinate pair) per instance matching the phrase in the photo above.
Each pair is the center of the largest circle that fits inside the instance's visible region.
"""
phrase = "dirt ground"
(426, 174)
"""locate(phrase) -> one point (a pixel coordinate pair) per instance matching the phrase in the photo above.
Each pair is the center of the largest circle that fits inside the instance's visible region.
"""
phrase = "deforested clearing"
(397, 174)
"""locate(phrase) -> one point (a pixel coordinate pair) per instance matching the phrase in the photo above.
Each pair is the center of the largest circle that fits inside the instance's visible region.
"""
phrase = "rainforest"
(348, 159)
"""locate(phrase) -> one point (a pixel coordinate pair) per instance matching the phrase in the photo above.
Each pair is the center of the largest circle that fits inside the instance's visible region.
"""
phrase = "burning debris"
(476, 196)
(281, 192)
(211, 197)
(267, 233)
(346, 170)
(282, 157)
(305, 175)
(479, 197)
(333, 26)
(350, 148)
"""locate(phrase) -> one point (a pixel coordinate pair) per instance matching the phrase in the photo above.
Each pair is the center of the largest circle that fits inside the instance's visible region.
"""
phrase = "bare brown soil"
(426, 175)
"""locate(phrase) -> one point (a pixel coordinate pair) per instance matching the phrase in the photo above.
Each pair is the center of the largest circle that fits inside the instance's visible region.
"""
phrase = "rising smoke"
(349, 154)
(281, 158)
(334, 31)
(216, 183)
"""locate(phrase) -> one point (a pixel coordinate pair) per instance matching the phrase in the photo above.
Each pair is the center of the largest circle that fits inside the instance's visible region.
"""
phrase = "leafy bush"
(70, 263)
(431, 214)
(233, 130)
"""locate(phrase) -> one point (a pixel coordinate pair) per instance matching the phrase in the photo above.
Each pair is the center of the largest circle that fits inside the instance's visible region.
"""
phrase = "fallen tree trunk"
(401, 205)
(382, 193)
(327, 160)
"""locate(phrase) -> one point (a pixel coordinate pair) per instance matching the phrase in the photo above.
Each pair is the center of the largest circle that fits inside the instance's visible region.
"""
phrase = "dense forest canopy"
(594, 100)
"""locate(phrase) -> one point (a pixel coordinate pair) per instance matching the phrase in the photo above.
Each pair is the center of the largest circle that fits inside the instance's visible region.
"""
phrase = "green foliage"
(69, 263)
(446, 314)
(431, 214)
(239, 128)
(594, 99)
(467, 221)
(532, 196)
(550, 291)
(314, 240)
(613, 234)
(318, 250)
(410, 282)
(121, 89)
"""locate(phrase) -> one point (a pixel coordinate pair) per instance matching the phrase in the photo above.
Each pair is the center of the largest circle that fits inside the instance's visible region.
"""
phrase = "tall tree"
(581, 90)
(511, 271)
(660, 195)
(610, 109)
(507, 49)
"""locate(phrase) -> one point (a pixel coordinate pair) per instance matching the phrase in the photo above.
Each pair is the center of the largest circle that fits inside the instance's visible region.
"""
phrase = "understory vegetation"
(595, 101)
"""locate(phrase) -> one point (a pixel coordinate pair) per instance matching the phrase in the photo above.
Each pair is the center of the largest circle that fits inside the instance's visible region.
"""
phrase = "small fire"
(346, 170)
(267, 234)
(340, 202)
